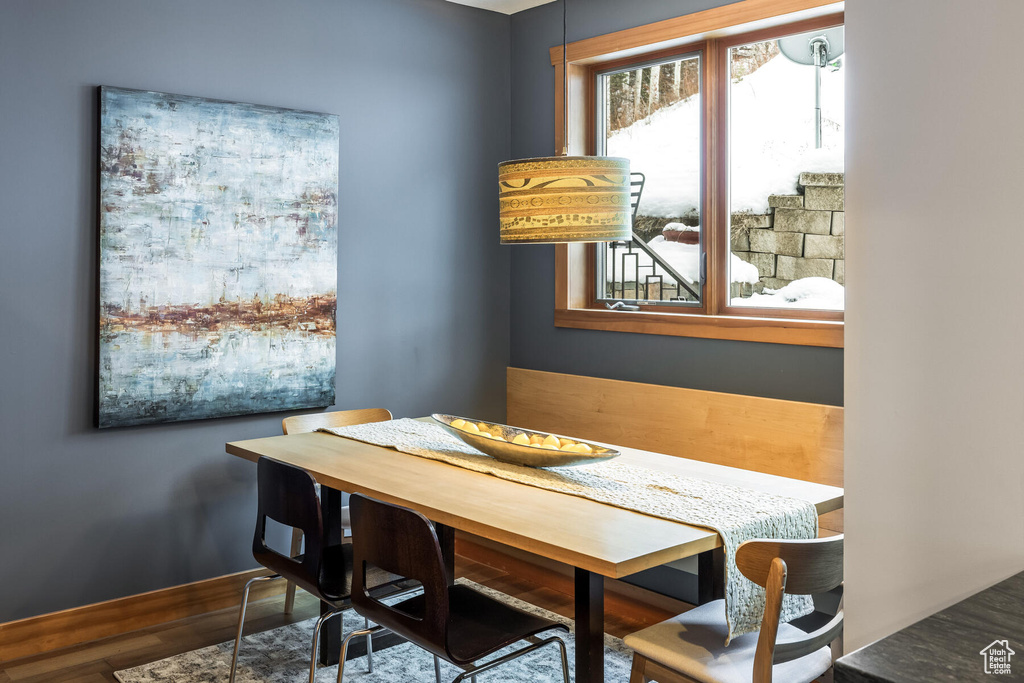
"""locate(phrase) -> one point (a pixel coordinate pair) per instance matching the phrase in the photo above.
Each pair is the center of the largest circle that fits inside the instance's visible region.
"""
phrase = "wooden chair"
(298, 424)
(691, 648)
(287, 495)
(451, 621)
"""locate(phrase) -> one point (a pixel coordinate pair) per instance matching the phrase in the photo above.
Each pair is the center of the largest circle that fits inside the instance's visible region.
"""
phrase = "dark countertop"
(947, 645)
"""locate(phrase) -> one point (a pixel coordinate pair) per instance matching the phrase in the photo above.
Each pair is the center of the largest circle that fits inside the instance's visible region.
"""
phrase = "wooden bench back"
(787, 438)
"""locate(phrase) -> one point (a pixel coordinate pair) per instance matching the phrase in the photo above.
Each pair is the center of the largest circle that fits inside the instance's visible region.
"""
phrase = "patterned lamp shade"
(564, 199)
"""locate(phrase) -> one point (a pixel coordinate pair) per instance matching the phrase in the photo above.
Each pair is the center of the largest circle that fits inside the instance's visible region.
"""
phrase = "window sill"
(828, 333)
(575, 309)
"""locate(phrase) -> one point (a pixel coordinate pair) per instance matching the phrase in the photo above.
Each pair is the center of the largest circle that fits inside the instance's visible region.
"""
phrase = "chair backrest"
(797, 568)
(296, 424)
(287, 495)
(403, 542)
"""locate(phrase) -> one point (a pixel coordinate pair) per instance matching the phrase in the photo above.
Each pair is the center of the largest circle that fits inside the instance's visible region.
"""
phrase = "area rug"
(282, 654)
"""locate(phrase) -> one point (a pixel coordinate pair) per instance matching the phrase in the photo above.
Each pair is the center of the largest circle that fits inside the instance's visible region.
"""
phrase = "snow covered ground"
(818, 293)
(812, 293)
(771, 141)
(772, 131)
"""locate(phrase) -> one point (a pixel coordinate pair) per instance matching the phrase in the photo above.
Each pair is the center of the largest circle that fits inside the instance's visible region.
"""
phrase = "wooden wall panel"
(786, 438)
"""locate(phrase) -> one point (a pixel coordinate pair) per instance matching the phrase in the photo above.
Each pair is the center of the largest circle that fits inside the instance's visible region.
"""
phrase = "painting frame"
(218, 251)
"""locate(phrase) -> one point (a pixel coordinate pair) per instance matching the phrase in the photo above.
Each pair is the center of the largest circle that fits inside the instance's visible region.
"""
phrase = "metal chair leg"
(241, 621)
(316, 642)
(344, 647)
(565, 660)
(437, 669)
(535, 644)
(369, 645)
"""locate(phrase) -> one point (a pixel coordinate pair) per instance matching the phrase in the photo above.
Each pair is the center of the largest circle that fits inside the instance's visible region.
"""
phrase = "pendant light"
(547, 200)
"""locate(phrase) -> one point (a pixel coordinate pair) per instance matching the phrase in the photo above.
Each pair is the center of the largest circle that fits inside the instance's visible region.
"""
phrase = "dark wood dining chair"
(451, 621)
(287, 495)
(691, 647)
(297, 424)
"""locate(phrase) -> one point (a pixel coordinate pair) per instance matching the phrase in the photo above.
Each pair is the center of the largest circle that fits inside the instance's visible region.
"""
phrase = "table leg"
(446, 537)
(330, 636)
(710, 575)
(589, 627)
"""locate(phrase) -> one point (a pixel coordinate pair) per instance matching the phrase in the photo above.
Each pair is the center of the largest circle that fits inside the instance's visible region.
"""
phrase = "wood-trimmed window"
(709, 34)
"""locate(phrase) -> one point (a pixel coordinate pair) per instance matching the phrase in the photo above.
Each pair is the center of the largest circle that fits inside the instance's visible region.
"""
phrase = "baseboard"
(622, 596)
(56, 630)
(47, 632)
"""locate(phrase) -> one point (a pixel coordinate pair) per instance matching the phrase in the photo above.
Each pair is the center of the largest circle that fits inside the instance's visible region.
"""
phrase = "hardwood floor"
(97, 661)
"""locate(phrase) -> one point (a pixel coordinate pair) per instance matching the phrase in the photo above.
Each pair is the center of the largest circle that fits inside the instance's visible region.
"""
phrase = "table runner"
(736, 513)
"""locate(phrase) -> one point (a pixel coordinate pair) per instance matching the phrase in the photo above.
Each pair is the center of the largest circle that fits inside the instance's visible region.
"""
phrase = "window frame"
(595, 71)
(711, 32)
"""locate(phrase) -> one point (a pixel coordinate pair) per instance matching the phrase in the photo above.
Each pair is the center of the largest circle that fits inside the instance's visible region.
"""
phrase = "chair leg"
(344, 647)
(636, 675)
(289, 593)
(316, 642)
(241, 622)
(369, 645)
(437, 669)
(535, 644)
(565, 661)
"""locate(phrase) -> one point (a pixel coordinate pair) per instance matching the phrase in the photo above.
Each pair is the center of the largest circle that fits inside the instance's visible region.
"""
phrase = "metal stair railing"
(637, 181)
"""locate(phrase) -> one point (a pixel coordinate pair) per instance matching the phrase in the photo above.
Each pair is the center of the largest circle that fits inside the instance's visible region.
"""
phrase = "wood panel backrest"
(793, 567)
(786, 438)
(812, 565)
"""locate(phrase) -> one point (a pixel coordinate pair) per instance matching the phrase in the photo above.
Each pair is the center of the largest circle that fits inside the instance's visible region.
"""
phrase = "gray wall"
(422, 87)
(935, 406)
(771, 370)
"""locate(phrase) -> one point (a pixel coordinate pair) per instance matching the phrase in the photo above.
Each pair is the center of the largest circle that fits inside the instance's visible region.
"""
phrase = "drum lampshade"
(564, 199)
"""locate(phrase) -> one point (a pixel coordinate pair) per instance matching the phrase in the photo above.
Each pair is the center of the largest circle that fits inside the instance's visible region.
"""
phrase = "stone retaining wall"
(801, 235)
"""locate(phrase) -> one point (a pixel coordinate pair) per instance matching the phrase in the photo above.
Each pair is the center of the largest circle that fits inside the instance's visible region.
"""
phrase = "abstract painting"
(218, 258)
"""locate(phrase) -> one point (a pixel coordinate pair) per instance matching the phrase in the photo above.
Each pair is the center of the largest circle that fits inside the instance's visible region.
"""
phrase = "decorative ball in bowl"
(523, 446)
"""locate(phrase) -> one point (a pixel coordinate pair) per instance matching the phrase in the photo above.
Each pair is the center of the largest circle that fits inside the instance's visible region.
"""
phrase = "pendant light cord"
(565, 84)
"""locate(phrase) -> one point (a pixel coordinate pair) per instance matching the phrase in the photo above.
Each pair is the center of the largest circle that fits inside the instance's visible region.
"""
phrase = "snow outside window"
(786, 240)
(652, 114)
(782, 254)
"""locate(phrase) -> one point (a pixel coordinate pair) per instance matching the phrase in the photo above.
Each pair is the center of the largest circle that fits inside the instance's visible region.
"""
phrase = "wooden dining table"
(596, 539)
